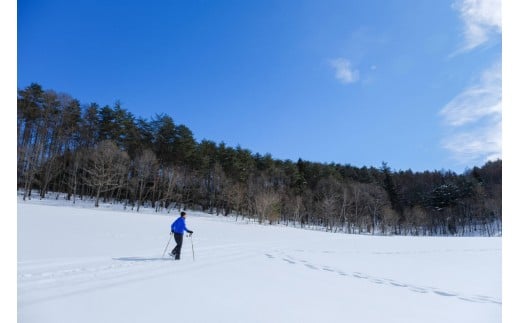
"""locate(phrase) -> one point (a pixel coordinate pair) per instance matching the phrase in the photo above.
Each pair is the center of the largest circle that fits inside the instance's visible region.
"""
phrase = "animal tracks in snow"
(386, 281)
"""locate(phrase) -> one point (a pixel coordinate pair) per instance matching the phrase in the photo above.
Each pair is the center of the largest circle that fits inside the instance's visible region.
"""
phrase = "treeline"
(107, 153)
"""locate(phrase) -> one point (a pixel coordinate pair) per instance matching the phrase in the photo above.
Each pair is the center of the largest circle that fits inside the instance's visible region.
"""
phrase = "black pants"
(177, 250)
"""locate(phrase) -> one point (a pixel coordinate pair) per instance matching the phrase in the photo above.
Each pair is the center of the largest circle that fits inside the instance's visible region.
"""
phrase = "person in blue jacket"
(177, 229)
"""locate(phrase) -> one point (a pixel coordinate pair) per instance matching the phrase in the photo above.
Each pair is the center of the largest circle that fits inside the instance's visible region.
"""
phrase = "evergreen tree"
(164, 138)
(63, 146)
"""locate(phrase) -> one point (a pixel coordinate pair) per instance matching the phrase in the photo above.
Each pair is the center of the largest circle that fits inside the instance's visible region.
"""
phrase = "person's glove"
(190, 233)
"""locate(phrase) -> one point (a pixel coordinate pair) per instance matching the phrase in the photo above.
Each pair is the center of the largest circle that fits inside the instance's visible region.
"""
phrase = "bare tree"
(169, 180)
(215, 184)
(72, 170)
(355, 204)
(377, 199)
(145, 167)
(296, 208)
(328, 192)
(328, 207)
(267, 206)
(390, 219)
(106, 169)
(417, 219)
(235, 193)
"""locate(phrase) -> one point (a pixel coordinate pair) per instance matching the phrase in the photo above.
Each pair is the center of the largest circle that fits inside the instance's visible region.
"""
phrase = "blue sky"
(416, 84)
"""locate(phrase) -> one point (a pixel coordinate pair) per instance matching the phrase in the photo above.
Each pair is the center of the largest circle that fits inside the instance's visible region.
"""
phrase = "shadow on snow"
(142, 259)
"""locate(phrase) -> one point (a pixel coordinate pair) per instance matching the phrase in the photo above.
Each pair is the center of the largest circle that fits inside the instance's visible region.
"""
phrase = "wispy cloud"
(481, 18)
(474, 118)
(344, 71)
(477, 146)
(476, 102)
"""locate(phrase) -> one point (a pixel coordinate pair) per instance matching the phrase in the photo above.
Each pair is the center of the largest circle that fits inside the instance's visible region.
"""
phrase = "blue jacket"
(179, 226)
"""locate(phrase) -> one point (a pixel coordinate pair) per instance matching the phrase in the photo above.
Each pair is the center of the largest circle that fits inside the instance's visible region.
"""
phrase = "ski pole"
(167, 245)
(192, 250)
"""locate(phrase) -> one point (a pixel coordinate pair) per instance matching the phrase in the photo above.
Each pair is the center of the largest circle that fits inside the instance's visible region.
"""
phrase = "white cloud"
(474, 118)
(476, 102)
(481, 19)
(476, 146)
(344, 71)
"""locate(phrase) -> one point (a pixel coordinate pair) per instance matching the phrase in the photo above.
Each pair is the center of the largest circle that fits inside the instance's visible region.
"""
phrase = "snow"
(81, 264)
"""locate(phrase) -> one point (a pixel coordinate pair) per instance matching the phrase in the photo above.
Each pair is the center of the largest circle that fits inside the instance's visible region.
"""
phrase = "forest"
(108, 155)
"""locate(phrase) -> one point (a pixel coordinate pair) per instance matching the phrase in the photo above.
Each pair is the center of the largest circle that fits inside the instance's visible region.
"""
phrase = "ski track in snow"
(48, 279)
(386, 281)
(44, 280)
(73, 262)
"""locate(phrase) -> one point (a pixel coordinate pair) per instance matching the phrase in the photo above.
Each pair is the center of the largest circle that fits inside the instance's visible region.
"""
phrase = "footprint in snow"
(360, 275)
(442, 293)
(398, 284)
(480, 300)
(418, 289)
(486, 299)
(467, 299)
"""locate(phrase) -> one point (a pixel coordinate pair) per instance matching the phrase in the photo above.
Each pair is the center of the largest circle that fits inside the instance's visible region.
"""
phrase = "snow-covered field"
(80, 264)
